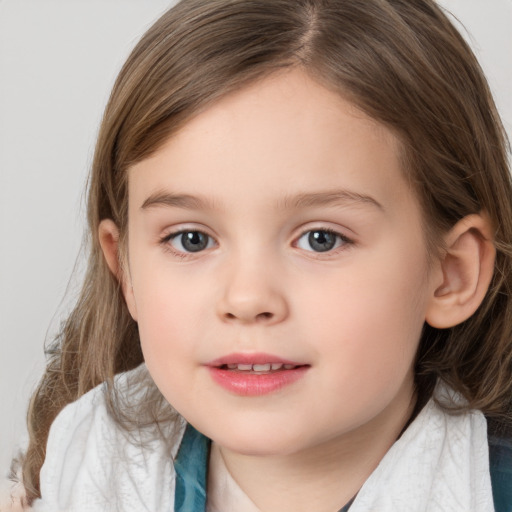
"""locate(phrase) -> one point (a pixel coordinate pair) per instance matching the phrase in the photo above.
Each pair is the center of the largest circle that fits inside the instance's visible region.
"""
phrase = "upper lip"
(255, 358)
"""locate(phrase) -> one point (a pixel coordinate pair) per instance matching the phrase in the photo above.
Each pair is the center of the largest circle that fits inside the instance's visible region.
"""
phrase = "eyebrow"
(305, 200)
(329, 198)
(185, 201)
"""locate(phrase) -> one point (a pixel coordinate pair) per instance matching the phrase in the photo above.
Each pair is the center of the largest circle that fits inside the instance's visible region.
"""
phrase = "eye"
(190, 241)
(321, 240)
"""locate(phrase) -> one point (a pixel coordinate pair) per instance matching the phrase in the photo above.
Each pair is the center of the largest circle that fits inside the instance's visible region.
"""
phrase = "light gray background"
(58, 60)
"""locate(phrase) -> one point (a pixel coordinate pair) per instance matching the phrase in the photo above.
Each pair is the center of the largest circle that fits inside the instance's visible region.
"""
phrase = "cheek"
(168, 334)
(369, 320)
(167, 313)
(365, 347)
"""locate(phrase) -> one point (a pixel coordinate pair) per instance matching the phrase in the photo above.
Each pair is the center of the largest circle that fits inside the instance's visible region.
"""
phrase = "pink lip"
(243, 383)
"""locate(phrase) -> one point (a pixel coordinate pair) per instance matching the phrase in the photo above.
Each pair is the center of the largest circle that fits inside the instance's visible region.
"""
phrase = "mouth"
(259, 368)
(255, 374)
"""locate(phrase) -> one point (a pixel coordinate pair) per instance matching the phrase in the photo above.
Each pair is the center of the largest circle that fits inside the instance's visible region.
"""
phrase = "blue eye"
(190, 241)
(321, 240)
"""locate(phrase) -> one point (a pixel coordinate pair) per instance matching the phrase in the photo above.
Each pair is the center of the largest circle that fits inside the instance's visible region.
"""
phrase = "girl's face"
(277, 230)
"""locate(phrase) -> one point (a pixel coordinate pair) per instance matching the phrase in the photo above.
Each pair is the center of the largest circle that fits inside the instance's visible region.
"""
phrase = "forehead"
(279, 137)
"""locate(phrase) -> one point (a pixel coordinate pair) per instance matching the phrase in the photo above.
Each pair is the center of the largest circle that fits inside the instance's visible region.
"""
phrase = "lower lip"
(253, 384)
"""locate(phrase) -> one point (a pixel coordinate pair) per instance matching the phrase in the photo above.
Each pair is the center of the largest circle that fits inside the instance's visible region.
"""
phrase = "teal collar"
(191, 466)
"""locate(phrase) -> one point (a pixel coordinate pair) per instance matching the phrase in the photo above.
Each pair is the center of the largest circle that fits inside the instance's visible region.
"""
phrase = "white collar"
(439, 464)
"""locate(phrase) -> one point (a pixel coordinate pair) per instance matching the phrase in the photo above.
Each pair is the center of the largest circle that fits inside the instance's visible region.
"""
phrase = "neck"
(323, 477)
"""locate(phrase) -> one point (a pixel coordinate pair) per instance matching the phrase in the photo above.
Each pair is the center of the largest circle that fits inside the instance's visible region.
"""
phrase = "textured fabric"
(439, 464)
(92, 465)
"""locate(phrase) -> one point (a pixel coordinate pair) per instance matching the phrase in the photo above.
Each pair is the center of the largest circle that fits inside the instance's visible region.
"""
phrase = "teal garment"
(500, 455)
(191, 467)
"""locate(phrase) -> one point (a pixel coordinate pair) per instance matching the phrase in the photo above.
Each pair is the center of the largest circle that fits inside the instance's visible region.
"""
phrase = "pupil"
(321, 241)
(194, 241)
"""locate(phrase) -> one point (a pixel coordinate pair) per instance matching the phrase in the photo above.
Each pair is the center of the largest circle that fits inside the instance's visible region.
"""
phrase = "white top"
(93, 465)
(440, 464)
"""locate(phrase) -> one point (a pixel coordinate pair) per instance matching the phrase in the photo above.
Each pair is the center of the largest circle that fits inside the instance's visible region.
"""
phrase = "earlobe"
(466, 271)
(108, 234)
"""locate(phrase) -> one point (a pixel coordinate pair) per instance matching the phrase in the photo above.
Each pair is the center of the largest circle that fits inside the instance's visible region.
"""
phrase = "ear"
(466, 270)
(108, 234)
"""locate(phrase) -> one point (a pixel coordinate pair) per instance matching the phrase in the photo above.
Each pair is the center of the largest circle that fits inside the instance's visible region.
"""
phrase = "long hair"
(400, 61)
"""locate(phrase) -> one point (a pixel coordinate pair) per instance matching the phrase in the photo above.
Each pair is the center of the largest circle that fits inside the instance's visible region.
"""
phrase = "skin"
(353, 314)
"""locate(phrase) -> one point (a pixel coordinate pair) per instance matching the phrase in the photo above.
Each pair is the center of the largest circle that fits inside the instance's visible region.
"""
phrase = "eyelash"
(165, 241)
(341, 240)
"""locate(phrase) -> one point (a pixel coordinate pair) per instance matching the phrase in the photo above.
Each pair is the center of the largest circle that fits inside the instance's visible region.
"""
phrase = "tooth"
(232, 366)
(277, 366)
(261, 367)
(244, 367)
(289, 366)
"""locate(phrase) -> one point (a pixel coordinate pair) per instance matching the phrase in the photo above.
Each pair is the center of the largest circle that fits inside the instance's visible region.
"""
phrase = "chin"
(259, 442)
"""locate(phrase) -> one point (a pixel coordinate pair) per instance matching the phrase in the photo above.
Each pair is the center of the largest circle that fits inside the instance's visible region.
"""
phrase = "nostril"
(260, 317)
(265, 316)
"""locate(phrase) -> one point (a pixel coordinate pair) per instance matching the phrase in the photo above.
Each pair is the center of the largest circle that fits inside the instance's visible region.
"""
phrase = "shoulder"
(94, 464)
(500, 457)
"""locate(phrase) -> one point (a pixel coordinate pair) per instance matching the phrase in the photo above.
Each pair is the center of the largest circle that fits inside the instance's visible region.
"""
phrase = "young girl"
(299, 286)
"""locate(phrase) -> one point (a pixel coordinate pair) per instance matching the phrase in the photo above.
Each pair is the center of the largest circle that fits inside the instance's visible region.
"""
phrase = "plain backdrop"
(58, 61)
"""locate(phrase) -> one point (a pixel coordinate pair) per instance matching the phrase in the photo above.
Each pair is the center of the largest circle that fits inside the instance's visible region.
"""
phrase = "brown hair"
(400, 61)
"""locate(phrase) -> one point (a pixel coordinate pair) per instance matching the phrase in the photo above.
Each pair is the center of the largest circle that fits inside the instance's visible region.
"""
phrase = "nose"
(252, 293)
